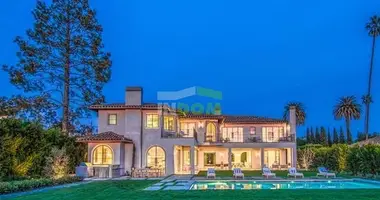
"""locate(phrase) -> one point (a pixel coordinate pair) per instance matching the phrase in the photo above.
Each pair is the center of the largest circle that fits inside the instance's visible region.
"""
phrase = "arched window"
(102, 155)
(155, 158)
(211, 133)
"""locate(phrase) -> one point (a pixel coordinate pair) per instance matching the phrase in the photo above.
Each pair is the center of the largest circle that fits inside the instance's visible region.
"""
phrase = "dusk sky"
(259, 54)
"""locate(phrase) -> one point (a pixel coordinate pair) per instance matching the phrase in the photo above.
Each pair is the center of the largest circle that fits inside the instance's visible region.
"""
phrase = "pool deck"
(185, 182)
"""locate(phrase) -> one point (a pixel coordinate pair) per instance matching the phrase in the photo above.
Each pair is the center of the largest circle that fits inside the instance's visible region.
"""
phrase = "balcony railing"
(176, 135)
(252, 139)
(256, 139)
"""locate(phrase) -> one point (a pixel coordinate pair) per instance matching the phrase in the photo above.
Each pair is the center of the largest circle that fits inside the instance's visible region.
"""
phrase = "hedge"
(24, 185)
(24, 147)
(357, 160)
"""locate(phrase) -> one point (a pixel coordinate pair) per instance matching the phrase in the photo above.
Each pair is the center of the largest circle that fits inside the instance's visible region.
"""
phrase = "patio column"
(229, 158)
(262, 157)
(294, 157)
(192, 161)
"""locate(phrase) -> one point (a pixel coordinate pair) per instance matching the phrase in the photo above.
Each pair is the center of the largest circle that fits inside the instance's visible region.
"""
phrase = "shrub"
(56, 163)
(305, 157)
(369, 162)
(24, 147)
(338, 159)
(354, 159)
(24, 185)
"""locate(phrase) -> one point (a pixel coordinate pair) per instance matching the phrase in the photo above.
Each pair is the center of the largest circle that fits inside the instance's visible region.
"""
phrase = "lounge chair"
(293, 173)
(267, 173)
(238, 173)
(211, 173)
(322, 171)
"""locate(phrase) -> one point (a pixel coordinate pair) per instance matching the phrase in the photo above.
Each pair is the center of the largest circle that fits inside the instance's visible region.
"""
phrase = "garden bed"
(30, 184)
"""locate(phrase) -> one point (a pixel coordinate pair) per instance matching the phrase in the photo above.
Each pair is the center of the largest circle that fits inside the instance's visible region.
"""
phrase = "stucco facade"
(213, 141)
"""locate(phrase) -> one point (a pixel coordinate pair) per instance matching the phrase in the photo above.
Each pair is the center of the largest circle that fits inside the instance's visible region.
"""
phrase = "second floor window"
(233, 134)
(187, 129)
(272, 134)
(252, 130)
(152, 121)
(112, 119)
(169, 123)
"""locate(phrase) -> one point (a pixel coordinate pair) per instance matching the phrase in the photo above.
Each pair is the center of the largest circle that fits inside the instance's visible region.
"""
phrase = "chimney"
(133, 96)
(292, 120)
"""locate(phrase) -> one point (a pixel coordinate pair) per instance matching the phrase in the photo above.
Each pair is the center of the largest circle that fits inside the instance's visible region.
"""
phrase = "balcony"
(256, 139)
(176, 135)
(252, 139)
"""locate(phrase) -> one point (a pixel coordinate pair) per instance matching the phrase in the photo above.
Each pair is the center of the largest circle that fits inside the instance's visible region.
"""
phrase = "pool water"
(263, 185)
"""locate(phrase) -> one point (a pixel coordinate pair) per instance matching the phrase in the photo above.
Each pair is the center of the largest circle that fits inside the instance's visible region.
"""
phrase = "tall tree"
(329, 140)
(335, 136)
(317, 136)
(308, 135)
(62, 58)
(323, 139)
(342, 140)
(300, 112)
(373, 28)
(312, 136)
(347, 108)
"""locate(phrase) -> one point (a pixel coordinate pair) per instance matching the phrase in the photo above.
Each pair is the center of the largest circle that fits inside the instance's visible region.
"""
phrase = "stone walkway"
(173, 183)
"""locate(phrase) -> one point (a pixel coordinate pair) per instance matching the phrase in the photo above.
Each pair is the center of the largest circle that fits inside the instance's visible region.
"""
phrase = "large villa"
(135, 135)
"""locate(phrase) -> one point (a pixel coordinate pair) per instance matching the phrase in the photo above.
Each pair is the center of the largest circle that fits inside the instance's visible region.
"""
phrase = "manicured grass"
(134, 190)
(250, 173)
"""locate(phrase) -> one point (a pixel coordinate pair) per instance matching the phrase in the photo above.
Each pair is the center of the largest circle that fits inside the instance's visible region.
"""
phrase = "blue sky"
(260, 54)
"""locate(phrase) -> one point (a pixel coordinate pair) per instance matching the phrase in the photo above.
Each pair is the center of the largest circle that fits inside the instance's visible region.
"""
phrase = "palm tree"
(373, 28)
(347, 108)
(300, 112)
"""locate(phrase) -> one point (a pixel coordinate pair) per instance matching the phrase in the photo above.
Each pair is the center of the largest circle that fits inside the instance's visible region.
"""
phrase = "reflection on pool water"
(252, 185)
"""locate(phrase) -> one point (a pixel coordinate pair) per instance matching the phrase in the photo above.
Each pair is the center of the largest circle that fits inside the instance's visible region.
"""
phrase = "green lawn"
(109, 190)
(228, 173)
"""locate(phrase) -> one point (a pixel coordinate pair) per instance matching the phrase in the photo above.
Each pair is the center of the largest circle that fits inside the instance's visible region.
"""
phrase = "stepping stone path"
(172, 183)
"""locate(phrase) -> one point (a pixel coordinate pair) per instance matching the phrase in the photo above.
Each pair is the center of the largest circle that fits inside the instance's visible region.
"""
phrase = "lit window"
(112, 119)
(152, 120)
(252, 130)
(187, 129)
(156, 158)
(169, 123)
(234, 134)
(102, 155)
(277, 157)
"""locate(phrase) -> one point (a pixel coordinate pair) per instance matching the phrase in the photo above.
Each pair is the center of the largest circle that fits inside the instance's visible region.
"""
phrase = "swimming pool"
(264, 185)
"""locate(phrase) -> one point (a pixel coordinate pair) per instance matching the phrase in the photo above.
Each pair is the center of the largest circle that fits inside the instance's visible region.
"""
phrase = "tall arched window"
(155, 158)
(211, 133)
(102, 155)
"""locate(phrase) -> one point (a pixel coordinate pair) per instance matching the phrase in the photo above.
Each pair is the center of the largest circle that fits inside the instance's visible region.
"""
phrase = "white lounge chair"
(322, 171)
(267, 173)
(237, 173)
(293, 173)
(211, 173)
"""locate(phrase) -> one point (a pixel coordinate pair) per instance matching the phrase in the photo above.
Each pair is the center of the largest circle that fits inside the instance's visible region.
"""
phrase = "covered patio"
(109, 154)
(222, 158)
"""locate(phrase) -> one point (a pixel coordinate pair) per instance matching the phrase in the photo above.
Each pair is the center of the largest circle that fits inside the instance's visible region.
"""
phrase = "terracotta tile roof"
(105, 136)
(226, 118)
(116, 106)
(251, 119)
(374, 140)
(201, 116)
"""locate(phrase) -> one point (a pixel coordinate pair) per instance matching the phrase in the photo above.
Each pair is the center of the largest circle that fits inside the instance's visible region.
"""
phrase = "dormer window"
(112, 119)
